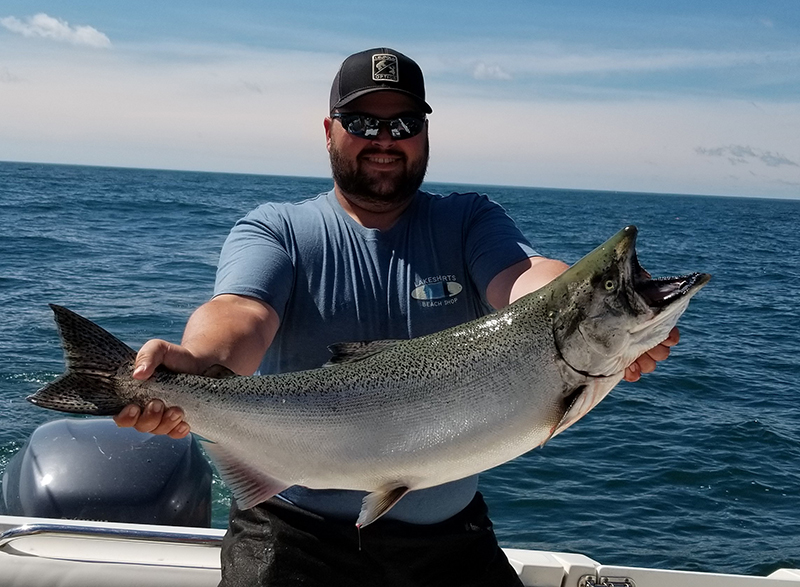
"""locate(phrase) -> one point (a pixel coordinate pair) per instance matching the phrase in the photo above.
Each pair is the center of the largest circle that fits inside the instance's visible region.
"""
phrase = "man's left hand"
(647, 362)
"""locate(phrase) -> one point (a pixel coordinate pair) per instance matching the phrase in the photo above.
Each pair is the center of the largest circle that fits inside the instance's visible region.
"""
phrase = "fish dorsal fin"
(249, 486)
(350, 352)
(377, 503)
(218, 372)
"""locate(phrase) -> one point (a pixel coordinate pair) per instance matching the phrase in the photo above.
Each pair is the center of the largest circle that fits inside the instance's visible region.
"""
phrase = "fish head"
(607, 310)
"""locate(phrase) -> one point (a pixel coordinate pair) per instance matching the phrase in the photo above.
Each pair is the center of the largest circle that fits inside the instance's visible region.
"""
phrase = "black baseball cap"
(378, 70)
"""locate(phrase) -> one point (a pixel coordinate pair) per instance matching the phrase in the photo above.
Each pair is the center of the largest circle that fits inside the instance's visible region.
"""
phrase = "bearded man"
(374, 258)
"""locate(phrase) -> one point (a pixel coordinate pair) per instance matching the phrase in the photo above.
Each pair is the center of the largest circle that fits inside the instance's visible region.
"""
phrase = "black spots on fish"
(87, 346)
(566, 322)
(218, 372)
(94, 357)
(607, 282)
(80, 393)
(348, 352)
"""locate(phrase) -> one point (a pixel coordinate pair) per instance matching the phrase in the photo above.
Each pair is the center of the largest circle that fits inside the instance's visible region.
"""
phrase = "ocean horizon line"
(471, 186)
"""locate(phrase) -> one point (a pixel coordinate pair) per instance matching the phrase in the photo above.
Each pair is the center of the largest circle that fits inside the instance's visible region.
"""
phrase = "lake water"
(695, 467)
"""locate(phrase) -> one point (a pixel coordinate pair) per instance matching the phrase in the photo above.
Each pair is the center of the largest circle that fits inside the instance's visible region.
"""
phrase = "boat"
(145, 502)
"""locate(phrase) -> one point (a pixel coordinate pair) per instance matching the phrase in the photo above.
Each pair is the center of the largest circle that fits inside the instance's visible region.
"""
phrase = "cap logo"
(384, 68)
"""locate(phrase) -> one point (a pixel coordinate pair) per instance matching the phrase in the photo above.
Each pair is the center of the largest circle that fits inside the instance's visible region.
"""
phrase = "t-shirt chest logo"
(384, 68)
(439, 287)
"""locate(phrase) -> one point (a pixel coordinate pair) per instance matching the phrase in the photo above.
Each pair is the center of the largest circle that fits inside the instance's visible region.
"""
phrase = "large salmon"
(392, 416)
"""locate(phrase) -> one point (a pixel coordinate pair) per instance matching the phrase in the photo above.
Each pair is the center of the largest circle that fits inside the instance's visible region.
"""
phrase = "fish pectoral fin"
(218, 372)
(350, 352)
(249, 486)
(377, 503)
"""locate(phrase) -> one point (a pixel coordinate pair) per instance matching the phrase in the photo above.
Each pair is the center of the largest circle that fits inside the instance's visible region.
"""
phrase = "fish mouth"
(660, 292)
(663, 291)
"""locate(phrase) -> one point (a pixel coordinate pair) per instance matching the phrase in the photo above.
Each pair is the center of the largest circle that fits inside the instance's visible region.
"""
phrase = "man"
(375, 258)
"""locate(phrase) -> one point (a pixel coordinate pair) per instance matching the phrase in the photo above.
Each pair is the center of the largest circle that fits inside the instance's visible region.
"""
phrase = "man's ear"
(328, 124)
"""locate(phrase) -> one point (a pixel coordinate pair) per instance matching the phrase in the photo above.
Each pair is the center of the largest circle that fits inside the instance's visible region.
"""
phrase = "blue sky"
(695, 97)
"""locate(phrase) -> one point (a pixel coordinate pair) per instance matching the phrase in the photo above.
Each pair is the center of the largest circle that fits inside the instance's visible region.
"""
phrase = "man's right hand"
(229, 330)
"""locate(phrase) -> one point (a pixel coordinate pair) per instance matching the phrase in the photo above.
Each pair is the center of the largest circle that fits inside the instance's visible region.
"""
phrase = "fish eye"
(610, 285)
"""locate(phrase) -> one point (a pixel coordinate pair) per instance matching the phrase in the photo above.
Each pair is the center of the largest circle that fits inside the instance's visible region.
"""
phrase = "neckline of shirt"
(374, 234)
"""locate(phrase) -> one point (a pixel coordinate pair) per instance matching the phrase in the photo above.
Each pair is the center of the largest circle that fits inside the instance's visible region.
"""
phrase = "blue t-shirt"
(332, 280)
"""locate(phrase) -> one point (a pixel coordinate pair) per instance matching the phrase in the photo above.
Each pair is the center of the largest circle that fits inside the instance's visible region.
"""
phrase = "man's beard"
(378, 189)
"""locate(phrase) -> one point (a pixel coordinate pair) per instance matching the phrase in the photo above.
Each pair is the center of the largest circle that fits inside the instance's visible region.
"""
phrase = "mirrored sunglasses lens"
(367, 127)
(355, 125)
(406, 127)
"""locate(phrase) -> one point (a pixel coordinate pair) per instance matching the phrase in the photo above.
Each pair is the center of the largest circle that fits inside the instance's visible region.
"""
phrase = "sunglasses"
(364, 126)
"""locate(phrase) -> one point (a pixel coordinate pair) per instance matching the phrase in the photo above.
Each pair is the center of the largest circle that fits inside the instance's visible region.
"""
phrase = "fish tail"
(94, 357)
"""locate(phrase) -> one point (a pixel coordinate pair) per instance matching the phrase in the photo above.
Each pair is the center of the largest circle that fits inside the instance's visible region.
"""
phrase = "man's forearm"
(233, 331)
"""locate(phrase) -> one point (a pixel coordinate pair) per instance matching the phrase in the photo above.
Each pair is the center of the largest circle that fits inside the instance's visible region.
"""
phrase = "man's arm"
(529, 275)
(522, 278)
(230, 330)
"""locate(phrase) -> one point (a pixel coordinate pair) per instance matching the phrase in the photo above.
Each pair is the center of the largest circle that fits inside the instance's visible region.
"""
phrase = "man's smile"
(381, 160)
(374, 159)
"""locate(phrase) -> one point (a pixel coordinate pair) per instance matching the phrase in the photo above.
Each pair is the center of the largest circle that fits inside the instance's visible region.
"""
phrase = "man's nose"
(384, 136)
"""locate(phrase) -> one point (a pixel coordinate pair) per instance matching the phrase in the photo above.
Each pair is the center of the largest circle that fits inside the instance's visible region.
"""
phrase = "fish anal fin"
(350, 352)
(249, 486)
(377, 503)
(218, 372)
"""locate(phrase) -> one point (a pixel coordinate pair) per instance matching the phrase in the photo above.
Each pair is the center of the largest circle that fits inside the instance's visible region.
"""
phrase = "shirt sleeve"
(255, 261)
(492, 242)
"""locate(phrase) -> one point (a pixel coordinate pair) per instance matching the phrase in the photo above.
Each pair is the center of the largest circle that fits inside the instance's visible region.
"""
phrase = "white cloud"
(527, 59)
(737, 154)
(47, 27)
(483, 71)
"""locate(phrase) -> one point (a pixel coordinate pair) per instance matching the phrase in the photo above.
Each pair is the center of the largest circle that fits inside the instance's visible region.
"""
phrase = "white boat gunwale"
(42, 551)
